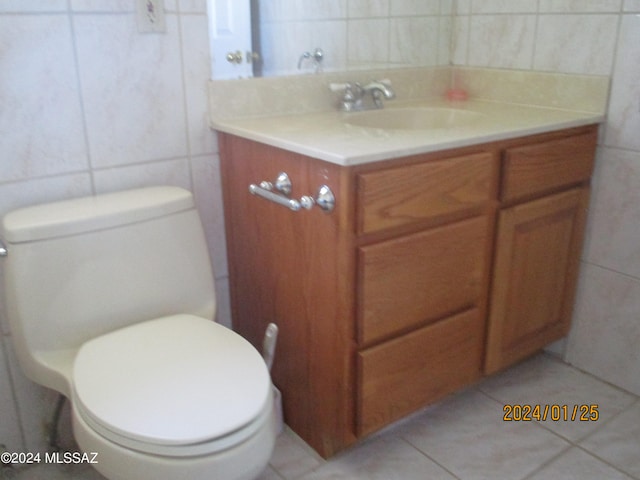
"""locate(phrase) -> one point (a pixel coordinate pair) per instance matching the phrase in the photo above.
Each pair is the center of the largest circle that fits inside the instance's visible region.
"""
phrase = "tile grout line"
(424, 454)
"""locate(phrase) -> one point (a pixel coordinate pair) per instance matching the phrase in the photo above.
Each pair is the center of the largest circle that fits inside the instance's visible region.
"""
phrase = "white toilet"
(110, 302)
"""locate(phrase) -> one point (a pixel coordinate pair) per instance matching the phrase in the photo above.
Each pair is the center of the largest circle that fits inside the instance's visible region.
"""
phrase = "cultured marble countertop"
(328, 136)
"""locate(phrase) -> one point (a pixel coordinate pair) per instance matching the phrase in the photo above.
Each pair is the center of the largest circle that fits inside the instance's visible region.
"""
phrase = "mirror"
(293, 37)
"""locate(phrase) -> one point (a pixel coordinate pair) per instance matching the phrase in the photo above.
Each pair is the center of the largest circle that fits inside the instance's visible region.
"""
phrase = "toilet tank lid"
(79, 215)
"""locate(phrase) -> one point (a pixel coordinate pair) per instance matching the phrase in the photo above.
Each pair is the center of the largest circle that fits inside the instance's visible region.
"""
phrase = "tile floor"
(465, 437)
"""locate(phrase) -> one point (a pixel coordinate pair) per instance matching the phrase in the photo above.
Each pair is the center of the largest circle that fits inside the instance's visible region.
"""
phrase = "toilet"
(110, 301)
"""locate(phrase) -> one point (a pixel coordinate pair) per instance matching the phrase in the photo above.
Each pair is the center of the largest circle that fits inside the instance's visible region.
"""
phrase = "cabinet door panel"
(538, 252)
(410, 281)
(423, 191)
(404, 374)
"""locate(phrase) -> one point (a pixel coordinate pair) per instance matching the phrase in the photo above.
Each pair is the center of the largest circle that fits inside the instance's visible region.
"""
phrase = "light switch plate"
(150, 16)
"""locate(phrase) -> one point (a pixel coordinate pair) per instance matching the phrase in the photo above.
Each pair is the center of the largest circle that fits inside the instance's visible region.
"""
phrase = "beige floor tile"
(50, 471)
(292, 457)
(545, 380)
(269, 474)
(618, 442)
(576, 464)
(381, 458)
(466, 435)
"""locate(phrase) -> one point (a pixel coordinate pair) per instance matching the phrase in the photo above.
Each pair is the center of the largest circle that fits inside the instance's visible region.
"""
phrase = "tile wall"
(89, 105)
(354, 34)
(600, 37)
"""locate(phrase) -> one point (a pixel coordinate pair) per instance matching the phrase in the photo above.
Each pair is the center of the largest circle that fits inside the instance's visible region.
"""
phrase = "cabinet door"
(537, 257)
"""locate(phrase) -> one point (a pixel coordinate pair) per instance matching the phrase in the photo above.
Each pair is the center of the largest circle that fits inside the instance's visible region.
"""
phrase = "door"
(537, 257)
(230, 37)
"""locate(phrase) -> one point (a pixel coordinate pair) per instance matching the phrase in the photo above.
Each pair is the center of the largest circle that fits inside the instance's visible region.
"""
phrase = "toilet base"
(244, 461)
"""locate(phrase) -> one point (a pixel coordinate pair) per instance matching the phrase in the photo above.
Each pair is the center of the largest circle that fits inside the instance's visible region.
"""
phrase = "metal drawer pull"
(324, 199)
(3, 250)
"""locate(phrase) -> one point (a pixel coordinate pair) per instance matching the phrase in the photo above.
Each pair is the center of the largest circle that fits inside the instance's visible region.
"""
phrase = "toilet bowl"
(110, 301)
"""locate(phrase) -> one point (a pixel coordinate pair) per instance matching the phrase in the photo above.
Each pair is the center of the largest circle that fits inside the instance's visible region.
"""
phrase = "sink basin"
(414, 118)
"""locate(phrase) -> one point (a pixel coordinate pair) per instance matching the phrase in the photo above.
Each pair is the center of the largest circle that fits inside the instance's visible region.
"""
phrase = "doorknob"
(234, 57)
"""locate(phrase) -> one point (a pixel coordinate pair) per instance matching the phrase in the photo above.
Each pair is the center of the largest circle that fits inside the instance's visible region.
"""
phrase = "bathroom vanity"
(433, 270)
(451, 252)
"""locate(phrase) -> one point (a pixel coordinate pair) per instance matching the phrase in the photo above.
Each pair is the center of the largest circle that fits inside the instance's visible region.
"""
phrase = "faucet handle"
(340, 87)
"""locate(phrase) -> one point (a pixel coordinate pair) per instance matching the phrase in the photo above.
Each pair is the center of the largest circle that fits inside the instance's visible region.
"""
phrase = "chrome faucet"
(379, 90)
(355, 96)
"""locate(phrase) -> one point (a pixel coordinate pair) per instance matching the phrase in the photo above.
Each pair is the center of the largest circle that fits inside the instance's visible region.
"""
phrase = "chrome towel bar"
(324, 198)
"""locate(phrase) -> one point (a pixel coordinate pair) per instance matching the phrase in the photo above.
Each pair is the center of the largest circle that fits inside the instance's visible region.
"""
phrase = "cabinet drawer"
(543, 167)
(407, 373)
(412, 193)
(409, 281)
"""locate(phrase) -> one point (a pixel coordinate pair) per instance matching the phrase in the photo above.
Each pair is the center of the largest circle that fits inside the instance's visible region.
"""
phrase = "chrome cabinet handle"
(324, 198)
(3, 250)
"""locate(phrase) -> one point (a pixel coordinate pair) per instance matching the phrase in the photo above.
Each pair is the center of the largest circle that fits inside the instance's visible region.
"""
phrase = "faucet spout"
(384, 87)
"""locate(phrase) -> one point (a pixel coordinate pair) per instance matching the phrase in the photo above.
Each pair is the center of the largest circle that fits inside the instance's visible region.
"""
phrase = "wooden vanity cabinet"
(432, 270)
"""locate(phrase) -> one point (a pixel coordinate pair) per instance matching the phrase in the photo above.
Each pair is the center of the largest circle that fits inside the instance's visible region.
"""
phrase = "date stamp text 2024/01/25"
(554, 412)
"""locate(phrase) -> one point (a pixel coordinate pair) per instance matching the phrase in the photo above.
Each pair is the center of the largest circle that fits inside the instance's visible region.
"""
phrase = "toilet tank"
(80, 268)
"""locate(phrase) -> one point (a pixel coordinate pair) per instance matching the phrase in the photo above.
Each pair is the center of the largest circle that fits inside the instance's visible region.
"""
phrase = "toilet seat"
(179, 385)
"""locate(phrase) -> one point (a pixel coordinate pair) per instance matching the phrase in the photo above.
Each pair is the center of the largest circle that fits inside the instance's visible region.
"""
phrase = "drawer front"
(536, 169)
(408, 281)
(413, 193)
(407, 373)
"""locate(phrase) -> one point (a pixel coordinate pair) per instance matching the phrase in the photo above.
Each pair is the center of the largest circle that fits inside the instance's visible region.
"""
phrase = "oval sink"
(414, 118)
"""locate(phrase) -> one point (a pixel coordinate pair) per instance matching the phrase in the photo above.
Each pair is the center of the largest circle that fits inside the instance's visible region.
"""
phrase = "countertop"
(328, 136)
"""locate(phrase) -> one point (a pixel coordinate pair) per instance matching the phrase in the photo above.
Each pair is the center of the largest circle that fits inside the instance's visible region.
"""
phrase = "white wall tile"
(580, 6)
(503, 6)
(460, 40)
(103, 6)
(368, 8)
(576, 43)
(40, 190)
(10, 435)
(196, 67)
(624, 108)
(414, 41)
(192, 6)
(445, 31)
(604, 336)
(287, 10)
(41, 118)
(631, 6)
(503, 41)
(415, 7)
(447, 7)
(368, 42)
(614, 215)
(223, 304)
(169, 172)
(132, 90)
(207, 187)
(7, 6)
(463, 7)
